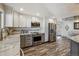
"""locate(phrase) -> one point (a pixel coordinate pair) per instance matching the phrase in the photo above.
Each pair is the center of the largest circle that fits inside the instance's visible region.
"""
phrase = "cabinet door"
(22, 21)
(8, 17)
(16, 19)
(28, 40)
(22, 41)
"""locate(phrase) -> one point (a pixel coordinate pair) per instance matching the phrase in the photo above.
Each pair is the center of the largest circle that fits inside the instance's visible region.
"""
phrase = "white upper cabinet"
(16, 19)
(29, 19)
(8, 17)
(23, 21)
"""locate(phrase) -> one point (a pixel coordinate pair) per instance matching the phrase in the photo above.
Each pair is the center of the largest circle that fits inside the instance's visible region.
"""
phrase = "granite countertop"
(10, 46)
(75, 38)
(26, 34)
(31, 33)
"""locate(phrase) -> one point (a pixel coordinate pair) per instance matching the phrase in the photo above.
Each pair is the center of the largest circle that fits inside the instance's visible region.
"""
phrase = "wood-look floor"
(59, 48)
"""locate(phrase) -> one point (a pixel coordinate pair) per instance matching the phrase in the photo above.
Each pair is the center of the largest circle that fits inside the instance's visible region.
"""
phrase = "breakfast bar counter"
(74, 45)
(10, 46)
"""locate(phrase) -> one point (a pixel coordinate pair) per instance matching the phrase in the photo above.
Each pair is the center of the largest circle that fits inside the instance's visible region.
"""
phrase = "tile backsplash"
(14, 30)
(24, 29)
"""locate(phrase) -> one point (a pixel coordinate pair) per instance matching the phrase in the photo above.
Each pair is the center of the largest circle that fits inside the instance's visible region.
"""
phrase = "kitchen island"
(10, 46)
(31, 39)
(74, 45)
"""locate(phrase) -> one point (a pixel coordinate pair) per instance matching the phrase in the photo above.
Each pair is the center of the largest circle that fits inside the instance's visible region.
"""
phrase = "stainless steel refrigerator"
(51, 32)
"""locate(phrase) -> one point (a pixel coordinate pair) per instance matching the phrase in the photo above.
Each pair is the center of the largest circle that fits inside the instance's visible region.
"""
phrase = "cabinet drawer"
(28, 38)
(28, 44)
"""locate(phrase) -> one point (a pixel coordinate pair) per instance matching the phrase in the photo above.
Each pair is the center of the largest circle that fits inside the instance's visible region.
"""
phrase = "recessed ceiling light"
(21, 9)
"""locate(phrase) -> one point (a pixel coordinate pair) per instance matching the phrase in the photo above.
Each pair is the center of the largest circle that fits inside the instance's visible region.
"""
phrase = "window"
(76, 25)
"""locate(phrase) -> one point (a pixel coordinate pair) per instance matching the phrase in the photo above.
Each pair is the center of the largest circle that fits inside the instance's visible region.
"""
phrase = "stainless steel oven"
(37, 39)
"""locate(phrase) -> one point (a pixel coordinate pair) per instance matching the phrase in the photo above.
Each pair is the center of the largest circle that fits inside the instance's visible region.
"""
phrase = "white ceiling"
(59, 10)
(62, 10)
(30, 8)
